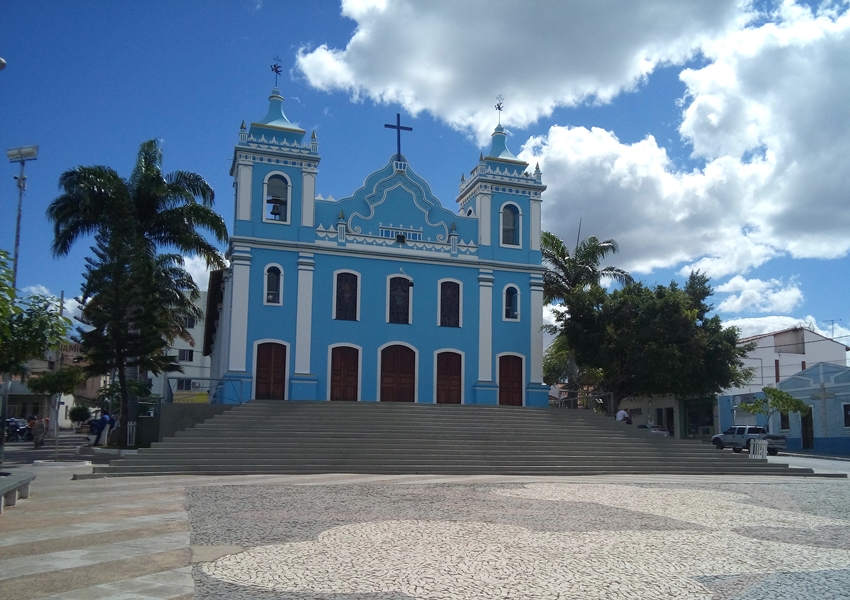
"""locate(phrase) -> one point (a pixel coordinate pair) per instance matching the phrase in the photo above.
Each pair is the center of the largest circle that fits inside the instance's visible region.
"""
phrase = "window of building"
(399, 300)
(784, 421)
(185, 355)
(189, 321)
(511, 303)
(449, 304)
(274, 285)
(510, 225)
(846, 409)
(184, 385)
(346, 297)
(277, 200)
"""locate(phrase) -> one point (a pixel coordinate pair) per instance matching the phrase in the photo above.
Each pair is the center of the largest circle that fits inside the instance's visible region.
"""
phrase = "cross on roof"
(398, 127)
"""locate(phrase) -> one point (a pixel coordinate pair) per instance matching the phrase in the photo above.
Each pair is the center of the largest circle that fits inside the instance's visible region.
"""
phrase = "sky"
(708, 134)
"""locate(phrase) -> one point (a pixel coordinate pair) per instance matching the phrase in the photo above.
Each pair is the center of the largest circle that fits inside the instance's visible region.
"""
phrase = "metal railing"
(207, 390)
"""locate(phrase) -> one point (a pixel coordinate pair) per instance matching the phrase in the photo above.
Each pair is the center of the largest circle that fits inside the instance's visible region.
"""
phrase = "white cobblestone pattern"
(540, 540)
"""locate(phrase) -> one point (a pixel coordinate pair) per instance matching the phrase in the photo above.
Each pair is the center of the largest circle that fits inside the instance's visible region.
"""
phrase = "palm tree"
(578, 273)
(167, 210)
(135, 299)
(568, 274)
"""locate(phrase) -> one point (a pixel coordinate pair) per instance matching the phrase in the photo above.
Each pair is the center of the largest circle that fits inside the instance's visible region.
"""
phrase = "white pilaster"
(308, 198)
(484, 224)
(535, 224)
(536, 373)
(240, 262)
(244, 171)
(485, 325)
(304, 313)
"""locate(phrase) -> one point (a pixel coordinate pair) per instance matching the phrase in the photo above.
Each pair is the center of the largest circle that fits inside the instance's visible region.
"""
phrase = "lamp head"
(22, 153)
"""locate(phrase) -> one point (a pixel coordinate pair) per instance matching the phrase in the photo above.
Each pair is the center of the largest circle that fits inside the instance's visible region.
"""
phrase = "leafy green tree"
(29, 327)
(136, 295)
(79, 414)
(775, 401)
(651, 341)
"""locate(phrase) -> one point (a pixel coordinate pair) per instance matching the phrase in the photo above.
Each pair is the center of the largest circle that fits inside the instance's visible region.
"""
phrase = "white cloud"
(452, 58)
(760, 296)
(36, 290)
(766, 113)
(197, 268)
(757, 325)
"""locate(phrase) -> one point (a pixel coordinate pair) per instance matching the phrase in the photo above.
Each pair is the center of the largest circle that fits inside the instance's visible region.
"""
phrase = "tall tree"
(29, 327)
(571, 279)
(136, 298)
(660, 340)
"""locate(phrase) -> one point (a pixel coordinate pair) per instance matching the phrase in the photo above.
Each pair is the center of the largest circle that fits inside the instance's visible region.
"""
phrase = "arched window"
(346, 297)
(511, 303)
(274, 287)
(449, 304)
(277, 199)
(398, 302)
(510, 225)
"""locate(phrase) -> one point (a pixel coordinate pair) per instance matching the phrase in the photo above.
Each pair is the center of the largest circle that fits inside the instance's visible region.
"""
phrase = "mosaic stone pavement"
(547, 540)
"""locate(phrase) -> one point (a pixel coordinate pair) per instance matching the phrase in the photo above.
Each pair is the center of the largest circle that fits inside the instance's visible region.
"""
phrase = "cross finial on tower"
(499, 102)
(276, 69)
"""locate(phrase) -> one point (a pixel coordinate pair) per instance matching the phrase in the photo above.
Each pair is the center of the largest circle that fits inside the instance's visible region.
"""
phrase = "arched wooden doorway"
(398, 374)
(271, 372)
(510, 380)
(344, 373)
(449, 386)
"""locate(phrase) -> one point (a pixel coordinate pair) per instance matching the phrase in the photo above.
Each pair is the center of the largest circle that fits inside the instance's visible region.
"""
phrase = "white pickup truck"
(740, 436)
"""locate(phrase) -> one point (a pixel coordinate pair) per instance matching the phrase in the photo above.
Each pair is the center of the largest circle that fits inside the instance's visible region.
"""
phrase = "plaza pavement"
(359, 537)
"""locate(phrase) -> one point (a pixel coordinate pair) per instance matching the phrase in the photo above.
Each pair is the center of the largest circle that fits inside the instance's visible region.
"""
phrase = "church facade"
(381, 296)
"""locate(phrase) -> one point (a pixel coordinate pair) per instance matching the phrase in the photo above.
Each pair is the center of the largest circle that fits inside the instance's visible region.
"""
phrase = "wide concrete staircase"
(275, 437)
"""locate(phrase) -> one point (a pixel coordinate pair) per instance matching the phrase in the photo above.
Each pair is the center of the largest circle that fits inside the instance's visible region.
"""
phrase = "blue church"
(381, 296)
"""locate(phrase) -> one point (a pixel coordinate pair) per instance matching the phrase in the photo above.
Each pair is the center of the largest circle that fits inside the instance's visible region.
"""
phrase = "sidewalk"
(426, 537)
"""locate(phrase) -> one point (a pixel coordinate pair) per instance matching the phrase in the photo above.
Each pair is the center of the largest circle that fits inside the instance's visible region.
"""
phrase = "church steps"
(303, 438)
(407, 469)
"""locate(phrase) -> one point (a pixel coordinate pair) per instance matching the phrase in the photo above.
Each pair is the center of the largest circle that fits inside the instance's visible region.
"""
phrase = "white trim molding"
(304, 313)
(485, 325)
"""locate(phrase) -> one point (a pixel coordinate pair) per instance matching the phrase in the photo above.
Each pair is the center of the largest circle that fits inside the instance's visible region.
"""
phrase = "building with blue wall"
(825, 429)
(381, 296)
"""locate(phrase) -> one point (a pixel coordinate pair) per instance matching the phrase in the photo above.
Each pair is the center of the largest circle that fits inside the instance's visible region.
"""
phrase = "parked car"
(656, 429)
(740, 436)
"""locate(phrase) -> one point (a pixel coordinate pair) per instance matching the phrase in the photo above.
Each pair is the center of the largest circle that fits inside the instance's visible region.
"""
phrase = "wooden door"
(398, 374)
(808, 430)
(344, 363)
(510, 380)
(448, 378)
(271, 371)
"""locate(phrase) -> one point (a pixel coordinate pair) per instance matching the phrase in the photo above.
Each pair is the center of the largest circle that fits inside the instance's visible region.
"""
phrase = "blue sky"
(708, 134)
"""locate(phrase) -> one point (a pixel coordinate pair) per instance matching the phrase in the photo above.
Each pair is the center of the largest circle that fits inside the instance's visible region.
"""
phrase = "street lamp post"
(21, 154)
